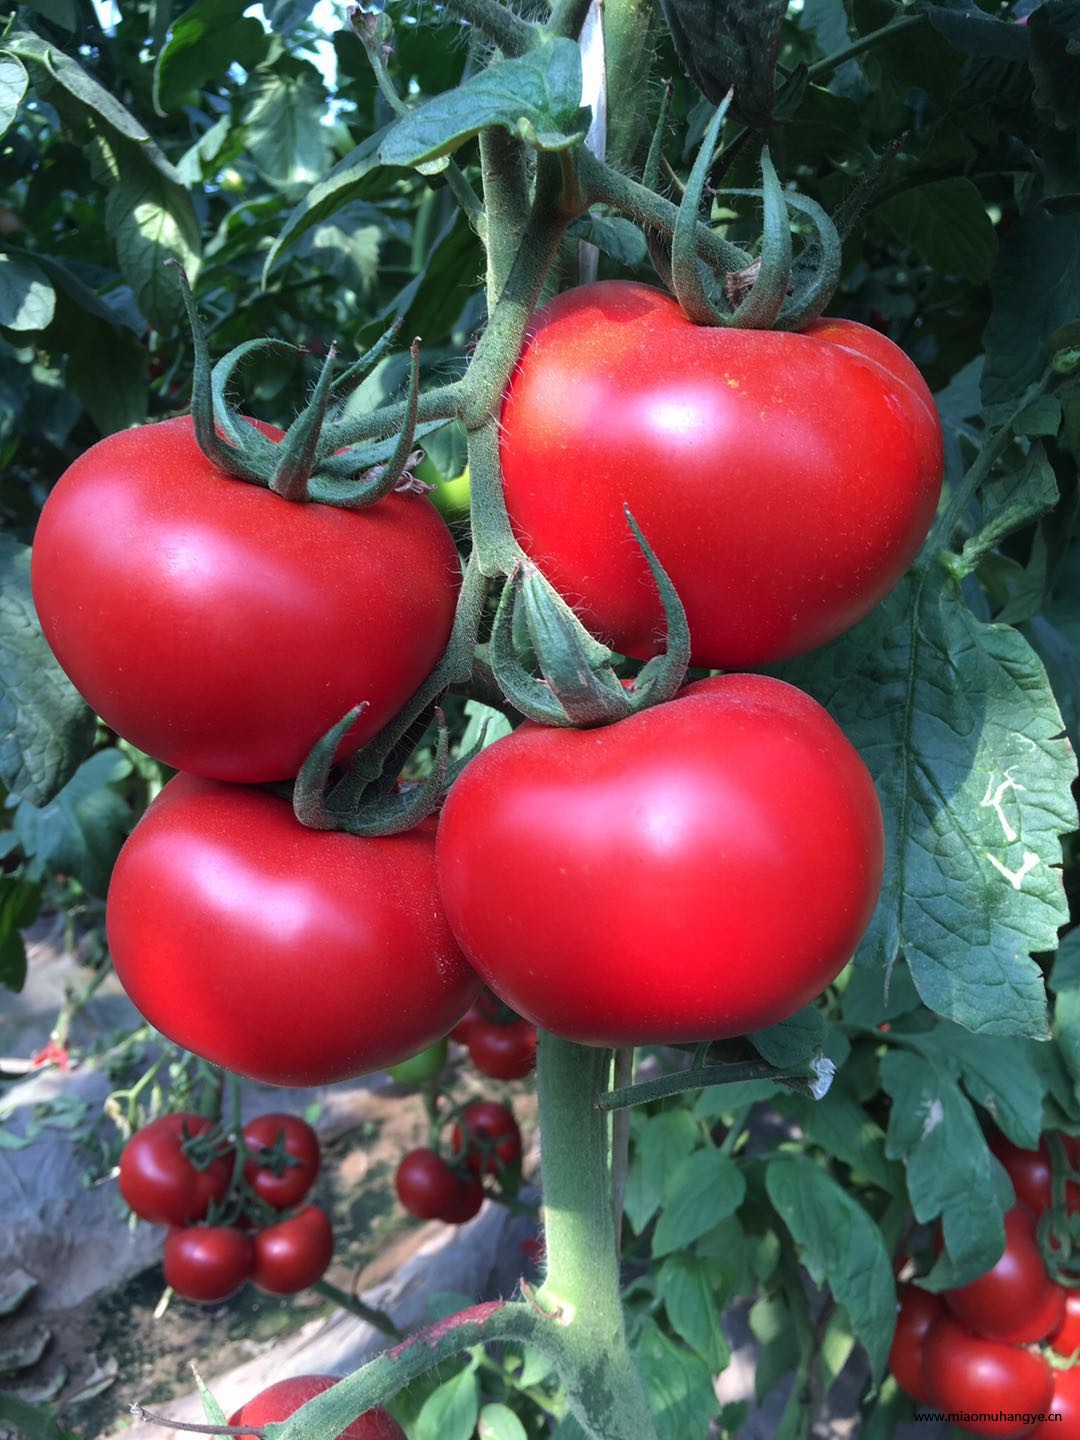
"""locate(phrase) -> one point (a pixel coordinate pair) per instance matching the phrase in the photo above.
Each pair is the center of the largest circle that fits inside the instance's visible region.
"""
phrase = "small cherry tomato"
(158, 1178)
(424, 1066)
(1015, 1301)
(287, 1151)
(486, 1006)
(963, 1372)
(1066, 1338)
(465, 1204)
(278, 1401)
(488, 1137)
(207, 1262)
(503, 1052)
(1031, 1174)
(425, 1184)
(294, 1253)
(918, 1311)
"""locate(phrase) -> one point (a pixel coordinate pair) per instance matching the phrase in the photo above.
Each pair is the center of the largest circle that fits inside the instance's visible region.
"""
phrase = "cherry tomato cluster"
(278, 1401)
(179, 1171)
(500, 1043)
(485, 1140)
(982, 1349)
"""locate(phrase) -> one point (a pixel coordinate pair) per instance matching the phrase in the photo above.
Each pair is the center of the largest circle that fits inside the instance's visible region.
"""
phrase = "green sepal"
(661, 677)
(309, 789)
(821, 260)
(258, 450)
(383, 480)
(360, 370)
(528, 695)
(392, 811)
(658, 245)
(297, 451)
(769, 290)
(687, 272)
(589, 692)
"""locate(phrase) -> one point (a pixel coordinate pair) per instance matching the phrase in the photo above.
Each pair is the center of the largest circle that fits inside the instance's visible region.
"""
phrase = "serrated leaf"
(678, 1385)
(536, 97)
(13, 83)
(621, 239)
(705, 1189)
(840, 1245)
(27, 299)
(451, 1412)
(1065, 974)
(842, 1128)
(1013, 498)
(1001, 1074)
(932, 1126)
(864, 1001)
(498, 1422)
(961, 732)
(794, 1041)
(730, 43)
(80, 831)
(972, 31)
(684, 1285)
(947, 223)
(46, 728)
(286, 137)
(205, 41)
(151, 221)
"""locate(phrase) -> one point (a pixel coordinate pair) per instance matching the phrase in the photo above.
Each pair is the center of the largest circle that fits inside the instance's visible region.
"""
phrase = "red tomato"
(159, 1181)
(425, 1184)
(918, 1311)
(223, 629)
(488, 1136)
(1015, 1301)
(207, 1262)
(291, 956)
(486, 1006)
(700, 869)
(289, 1153)
(1031, 1174)
(278, 1401)
(1066, 1403)
(785, 481)
(465, 1204)
(1066, 1338)
(964, 1373)
(503, 1052)
(294, 1253)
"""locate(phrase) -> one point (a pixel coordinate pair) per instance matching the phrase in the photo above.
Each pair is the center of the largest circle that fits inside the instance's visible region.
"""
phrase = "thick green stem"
(581, 1289)
(567, 17)
(377, 1319)
(506, 201)
(628, 57)
(501, 26)
(832, 62)
(441, 404)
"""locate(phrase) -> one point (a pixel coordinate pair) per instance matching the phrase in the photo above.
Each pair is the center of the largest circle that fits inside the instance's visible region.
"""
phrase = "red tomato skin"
(425, 1184)
(486, 1006)
(488, 1121)
(465, 1204)
(207, 1263)
(294, 1253)
(503, 1052)
(326, 956)
(963, 1372)
(278, 1401)
(1015, 1302)
(1066, 1403)
(919, 1310)
(701, 869)
(785, 481)
(1066, 1338)
(158, 1181)
(300, 1143)
(1032, 1174)
(222, 629)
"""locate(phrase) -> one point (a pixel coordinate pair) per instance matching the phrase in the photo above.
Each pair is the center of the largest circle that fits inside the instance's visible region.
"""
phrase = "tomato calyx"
(579, 686)
(310, 462)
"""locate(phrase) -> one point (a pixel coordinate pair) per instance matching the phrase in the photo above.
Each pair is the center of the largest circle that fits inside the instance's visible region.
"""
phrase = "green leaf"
(795, 1040)
(947, 223)
(678, 1385)
(19, 904)
(205, 41)
(772, 1327)
(842, 1128)
(705, 1189)
(498, 1422)
(27, 300)
(621, 239)
(1066, 972)
(1055, 64)
(1001, 1074)
(13, 83)
(1036, 290)
(79, 833)
(864, 996)
(932, 1126)
(536, 97)
(971, 31)
(840, 1245)
(660, 1144)
(34, 1422)
(46, 728)
(286, 137)
(685, 1285)
(961, 732)
(730, 43)
(1012, 499)
(451, 1412)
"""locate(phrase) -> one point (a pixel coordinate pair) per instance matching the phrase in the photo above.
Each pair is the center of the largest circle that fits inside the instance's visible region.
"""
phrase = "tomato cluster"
(278, 1401)
(179, 1171)
(485, 1140)
(973, 1350)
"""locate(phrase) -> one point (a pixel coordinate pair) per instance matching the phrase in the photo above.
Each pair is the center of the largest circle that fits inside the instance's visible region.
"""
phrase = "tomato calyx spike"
(687, 274)
(296, 454)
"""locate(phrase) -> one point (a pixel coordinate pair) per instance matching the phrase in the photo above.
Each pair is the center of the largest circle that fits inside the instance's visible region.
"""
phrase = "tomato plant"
(487, 1137)
(803, 471)
(962, 1372)
(161, 1182)
(1031, 1174)
(503, 1052)
(291, 1255)
(221, 891)
(1066, 1404)
(735, 828)
(208, 1263)
(285, 1160)
(1015, 1301)
(425, 1184)
(1066, 1338)
(919, 1310)
(278, 1401)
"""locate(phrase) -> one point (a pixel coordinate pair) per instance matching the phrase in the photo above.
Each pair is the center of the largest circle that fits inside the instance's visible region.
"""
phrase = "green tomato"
(424, 1066)
(450, 494)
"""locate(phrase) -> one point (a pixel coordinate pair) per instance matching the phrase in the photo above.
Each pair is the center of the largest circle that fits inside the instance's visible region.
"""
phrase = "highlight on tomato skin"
(801, 471)
(731, 836)
(919, 1310)
(278, 1401)
(1015, 1301)
(962, 1372)
(207, 1263)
